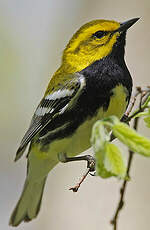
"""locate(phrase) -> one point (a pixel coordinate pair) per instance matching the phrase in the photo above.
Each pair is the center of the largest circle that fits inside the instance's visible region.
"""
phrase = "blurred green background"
(33, 34)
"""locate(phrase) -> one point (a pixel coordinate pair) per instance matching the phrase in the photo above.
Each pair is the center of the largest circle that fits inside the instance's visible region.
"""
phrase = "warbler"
(92, 82)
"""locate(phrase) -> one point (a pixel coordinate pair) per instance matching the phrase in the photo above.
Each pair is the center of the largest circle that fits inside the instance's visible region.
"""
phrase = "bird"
(92, 82)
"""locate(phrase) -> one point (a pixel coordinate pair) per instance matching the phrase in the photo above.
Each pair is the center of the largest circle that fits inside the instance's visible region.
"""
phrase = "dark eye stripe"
(99, 34)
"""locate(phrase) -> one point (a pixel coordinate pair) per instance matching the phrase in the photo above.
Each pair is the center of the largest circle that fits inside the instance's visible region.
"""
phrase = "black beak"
(126, 25)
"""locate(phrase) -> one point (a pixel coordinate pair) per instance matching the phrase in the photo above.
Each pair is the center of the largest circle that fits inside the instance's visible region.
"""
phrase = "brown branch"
(120, 205)
(132, 101)
(90, 168)
(144, 94)
(76, 187)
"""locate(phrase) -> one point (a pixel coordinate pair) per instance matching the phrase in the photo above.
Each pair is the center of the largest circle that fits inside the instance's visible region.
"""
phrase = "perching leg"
(90, 166)
(90, 160)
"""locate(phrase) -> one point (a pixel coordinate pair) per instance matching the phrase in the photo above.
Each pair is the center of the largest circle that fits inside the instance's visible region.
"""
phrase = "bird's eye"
(100, 34)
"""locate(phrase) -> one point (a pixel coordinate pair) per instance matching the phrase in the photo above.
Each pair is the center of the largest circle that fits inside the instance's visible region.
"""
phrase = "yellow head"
(93, 41)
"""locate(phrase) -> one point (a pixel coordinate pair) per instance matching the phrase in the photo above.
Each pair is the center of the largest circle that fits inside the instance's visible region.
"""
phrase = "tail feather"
(29, 203)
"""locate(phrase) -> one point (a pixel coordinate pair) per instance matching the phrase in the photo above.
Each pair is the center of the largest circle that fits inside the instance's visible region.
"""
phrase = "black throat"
(118, 50)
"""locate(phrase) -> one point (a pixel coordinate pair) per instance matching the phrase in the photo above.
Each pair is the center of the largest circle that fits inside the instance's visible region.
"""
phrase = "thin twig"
(120, 205)
(114, 221)
(76, 187)
(144, 96)
(147, 94)
(132, 101)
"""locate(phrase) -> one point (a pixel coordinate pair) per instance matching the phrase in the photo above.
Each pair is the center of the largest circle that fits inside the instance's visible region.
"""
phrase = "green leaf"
(113, 161)
(147, 121)
(142, 114)
(100, 168)
(132, 139)
(99, 136)
(109, 161)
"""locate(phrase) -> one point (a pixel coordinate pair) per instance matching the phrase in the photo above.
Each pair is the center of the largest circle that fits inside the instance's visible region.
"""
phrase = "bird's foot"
(62, 157)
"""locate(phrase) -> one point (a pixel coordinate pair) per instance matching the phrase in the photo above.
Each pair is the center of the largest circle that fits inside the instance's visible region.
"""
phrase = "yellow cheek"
(100, 42)
(106, 49)
(86, 54)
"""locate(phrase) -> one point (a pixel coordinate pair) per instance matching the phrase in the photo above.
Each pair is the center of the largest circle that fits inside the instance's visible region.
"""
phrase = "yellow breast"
(118, 103)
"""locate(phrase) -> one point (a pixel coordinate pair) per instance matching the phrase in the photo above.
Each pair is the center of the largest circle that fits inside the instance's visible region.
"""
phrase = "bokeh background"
(33, 34)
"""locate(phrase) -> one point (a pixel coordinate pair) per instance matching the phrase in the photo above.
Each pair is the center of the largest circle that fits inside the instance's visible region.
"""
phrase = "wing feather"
(54, 103)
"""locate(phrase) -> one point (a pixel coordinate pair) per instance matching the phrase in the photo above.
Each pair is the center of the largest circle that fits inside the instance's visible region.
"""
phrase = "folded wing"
(53, 104)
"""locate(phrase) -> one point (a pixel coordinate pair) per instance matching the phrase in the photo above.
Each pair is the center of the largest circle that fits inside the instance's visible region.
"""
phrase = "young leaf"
(109, 161)
(132, 139)
(147, 121)
(99, 136)
(113, 161)
(142, 114)
(100, 168)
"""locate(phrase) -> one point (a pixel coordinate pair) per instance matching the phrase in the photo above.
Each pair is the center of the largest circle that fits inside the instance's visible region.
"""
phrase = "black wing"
(55, 103)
